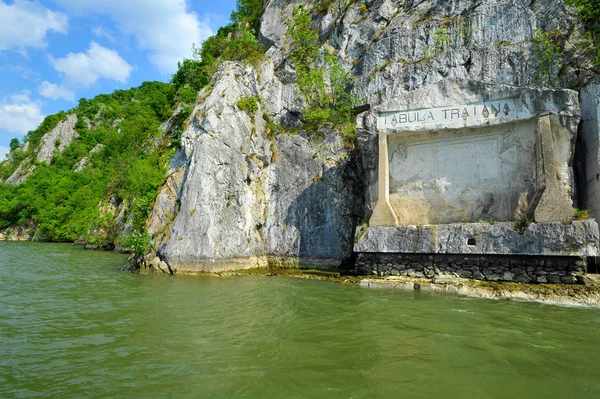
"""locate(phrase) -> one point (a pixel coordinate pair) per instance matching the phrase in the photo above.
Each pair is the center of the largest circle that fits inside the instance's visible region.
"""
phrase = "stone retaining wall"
(522, 269)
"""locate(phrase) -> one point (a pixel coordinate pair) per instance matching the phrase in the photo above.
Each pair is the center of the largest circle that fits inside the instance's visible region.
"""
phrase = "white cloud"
(164, 27)
(102, 32)
(19, 114)
(25, 72)
(84, 69)
(55, 92)
(3, 152)
(25, 24)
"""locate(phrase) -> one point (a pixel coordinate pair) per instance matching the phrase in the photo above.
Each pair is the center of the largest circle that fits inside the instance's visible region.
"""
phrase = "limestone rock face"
(21, 174)
(238, 195)
(590, 164)
(392, 47)
(237, 192)
(56, 140)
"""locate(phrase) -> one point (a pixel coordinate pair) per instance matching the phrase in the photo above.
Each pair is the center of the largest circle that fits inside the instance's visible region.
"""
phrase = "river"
(72, 325)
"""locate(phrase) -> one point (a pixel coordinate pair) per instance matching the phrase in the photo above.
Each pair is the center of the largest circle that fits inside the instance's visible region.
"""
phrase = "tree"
(589, 12)
(248, 11)
(14, 144)
(547, 56)
(325, 87)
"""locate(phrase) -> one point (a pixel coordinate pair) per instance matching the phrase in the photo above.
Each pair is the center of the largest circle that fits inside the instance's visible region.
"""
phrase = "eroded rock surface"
(55, 141)
(393, 47)
(241, 194)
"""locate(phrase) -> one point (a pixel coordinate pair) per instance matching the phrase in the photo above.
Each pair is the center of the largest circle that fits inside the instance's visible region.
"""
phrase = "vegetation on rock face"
(589, 12)
(321, 80)
(234, 42)
(440, 37)
(248, 12)
(248, 105)
(124, 171)
(107, 202)
(547, 55)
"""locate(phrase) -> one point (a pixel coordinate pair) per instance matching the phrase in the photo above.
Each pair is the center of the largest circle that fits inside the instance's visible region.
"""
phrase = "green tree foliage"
(325, 88)
(129, 168)
(130, 155)
(234, 42)
(191, 76)
(248, 105)
(14, 144)
(589, 12)
(248, 12)
(547, 56)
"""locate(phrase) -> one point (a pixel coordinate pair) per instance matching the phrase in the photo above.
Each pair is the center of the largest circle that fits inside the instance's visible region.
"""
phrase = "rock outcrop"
(57, 140)
(239, 195)
(21, 173)
(239, 192)
(85, 161)
(393, 47)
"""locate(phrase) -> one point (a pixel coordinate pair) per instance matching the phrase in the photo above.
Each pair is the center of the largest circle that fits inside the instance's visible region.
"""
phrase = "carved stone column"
(554, 205)
(383, 214)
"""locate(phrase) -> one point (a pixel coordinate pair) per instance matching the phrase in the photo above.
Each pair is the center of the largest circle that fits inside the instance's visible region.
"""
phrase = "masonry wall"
(523, 269)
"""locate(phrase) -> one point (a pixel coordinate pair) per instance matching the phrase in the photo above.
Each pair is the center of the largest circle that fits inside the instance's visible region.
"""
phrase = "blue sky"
(54, 52)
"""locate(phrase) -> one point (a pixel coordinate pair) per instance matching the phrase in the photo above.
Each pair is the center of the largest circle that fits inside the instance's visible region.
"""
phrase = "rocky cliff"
(240, 190)
(244, 190)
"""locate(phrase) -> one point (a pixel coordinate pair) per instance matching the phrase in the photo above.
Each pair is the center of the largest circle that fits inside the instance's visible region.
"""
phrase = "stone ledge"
(191, 266)
(578, 238)
(557, 294)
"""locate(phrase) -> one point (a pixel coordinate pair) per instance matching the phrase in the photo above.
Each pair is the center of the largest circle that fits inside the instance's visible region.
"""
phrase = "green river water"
(72, 325)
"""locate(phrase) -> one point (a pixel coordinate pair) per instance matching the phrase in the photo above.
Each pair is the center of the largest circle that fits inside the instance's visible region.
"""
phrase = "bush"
(243, 46)
(248, 105)
(589, 12)
(248, 12)
(325, 88)
(14, 144)
(191, 74)
(547, 56)
(138, 242)
(582, 214)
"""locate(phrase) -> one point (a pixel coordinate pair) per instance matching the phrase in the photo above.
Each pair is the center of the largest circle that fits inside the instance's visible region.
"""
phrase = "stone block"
(478, 276)
(434, 149)
(553, 278)
(578, 238)
(568, 279)
(522, 278)
(508, 276)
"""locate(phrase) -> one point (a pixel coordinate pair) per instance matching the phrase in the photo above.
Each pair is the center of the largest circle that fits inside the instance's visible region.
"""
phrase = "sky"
(54, 52)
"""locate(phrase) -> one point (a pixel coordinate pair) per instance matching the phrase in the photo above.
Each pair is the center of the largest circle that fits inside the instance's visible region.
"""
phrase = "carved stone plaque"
(504, 110)
(462, 175)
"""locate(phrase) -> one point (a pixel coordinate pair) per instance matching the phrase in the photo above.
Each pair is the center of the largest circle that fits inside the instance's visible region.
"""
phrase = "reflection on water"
(73, 325)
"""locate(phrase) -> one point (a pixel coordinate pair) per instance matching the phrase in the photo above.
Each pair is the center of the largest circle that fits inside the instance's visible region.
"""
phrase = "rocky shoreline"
(556, 294)
(587, 294)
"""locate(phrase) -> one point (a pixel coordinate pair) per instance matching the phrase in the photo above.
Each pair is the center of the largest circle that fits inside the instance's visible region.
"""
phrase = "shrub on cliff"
(589, 12)
(248, 11)
(236, 41)
(321, 80)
